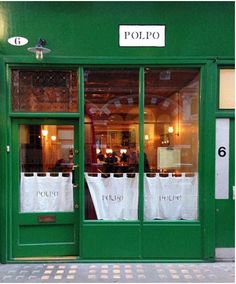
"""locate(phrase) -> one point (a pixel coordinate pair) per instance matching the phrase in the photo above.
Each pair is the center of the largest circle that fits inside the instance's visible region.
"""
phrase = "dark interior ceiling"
(102, 85)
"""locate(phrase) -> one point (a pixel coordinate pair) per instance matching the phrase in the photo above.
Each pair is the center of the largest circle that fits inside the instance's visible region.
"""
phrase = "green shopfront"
(118, 145)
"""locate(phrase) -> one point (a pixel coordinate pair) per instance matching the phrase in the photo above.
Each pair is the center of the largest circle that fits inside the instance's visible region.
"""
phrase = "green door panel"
(41, 234)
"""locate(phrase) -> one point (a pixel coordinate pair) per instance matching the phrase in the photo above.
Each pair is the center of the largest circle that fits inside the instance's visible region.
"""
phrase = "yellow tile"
(200, 276)
(91, 276)
(72, 271)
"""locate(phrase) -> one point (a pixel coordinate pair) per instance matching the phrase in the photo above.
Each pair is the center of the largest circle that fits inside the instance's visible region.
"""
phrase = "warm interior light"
(44, 132)
(53, 138)
(171, 129)
(109, 151)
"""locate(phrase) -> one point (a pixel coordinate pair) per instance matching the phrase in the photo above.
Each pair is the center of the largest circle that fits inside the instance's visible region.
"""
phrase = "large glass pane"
(46, 162)
(44, 91)
(171, 144)
(111, 143)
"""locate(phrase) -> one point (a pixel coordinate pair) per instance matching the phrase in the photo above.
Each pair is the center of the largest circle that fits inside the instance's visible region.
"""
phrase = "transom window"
(44, 91)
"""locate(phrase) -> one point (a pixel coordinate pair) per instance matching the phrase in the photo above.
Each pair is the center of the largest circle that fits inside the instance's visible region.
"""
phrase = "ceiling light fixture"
(39, 49)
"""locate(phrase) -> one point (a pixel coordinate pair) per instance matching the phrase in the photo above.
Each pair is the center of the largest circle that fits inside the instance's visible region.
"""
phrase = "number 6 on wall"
(222, 159)
(222, 151)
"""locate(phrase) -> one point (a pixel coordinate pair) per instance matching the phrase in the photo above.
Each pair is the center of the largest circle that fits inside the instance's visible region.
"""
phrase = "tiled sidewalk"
(220, 272)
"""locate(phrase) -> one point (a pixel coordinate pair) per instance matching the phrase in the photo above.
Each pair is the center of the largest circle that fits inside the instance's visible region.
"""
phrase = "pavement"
(217, 272)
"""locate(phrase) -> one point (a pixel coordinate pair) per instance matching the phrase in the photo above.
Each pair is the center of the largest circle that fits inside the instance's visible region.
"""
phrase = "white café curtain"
(114, 198)
(167, 198)
(46, 193)
(171, 198)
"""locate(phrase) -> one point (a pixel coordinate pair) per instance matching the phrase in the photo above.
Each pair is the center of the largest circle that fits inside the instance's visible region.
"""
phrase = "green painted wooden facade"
(198, 34)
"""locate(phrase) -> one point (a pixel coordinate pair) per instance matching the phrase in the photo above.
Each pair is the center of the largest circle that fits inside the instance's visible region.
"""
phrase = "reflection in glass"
(46, 162)
(111, 143)
(171, 143)
(44, 90)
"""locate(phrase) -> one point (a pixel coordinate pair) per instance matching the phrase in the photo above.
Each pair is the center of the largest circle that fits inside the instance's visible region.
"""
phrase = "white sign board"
(18, 41)
(168, 157)
(142, 35)
(222, 159)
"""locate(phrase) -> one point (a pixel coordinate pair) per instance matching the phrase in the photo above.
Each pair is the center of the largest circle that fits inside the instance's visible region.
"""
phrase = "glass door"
(45, 189)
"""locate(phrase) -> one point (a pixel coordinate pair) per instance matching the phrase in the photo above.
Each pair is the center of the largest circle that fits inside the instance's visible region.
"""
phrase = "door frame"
(30, 218)
(225, 242)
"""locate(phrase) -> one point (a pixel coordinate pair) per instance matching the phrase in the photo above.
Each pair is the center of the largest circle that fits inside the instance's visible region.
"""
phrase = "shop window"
(171, 144)
(46, 162)
(44, 91)
(227, 89)
(111, 143)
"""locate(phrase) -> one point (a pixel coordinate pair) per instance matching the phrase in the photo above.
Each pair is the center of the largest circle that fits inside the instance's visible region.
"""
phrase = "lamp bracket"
(42, 42)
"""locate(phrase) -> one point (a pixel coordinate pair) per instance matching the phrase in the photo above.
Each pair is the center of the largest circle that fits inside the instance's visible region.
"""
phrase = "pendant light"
(39, 49)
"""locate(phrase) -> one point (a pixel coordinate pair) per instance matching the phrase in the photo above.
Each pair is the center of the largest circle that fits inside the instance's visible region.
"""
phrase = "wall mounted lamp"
(39, 49)
(44, 132)
(53, 138)
(146, 137)
(170, 129)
